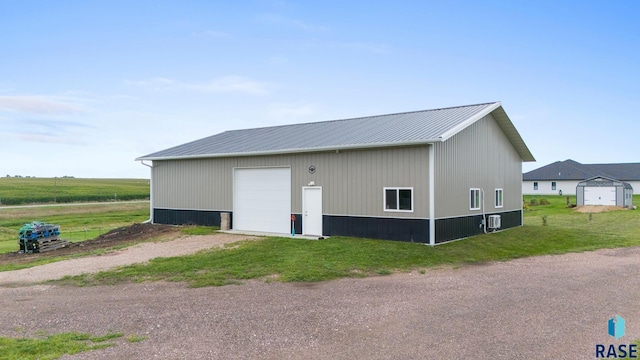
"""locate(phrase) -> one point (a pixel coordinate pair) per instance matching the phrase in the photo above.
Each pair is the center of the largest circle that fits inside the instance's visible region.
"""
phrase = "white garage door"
(262, 200)
(597, 195)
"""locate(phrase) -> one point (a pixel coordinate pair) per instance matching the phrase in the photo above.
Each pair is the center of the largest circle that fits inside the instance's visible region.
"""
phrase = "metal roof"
(587, 182)
(573, 170)
(402, 129)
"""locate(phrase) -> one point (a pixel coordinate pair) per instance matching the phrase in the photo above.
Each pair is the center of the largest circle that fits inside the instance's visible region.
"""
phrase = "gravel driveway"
(553, 307)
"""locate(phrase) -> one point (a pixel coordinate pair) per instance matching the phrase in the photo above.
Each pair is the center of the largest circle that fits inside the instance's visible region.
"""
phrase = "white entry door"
(312, 210)
(262, 200)
(600, 195)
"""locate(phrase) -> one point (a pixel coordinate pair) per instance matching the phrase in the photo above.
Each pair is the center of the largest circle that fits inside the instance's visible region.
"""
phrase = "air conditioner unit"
(494, 222)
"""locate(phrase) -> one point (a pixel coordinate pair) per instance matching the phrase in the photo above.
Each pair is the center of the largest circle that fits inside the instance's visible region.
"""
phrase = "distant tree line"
(33, 177)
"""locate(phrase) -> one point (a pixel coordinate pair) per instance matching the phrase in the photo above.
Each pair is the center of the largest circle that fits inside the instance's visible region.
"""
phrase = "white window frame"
(472, 197)
(495, 198)
(554, 185)
(535, 185)
(397, 189)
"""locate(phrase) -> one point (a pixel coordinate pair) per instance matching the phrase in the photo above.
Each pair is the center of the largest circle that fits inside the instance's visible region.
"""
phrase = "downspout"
(150, 191)
(484, 217)
(432, 195)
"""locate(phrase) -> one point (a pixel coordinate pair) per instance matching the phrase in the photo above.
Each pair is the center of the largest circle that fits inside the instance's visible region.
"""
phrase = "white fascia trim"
(150, 189)
(295, 151)
(432, 195)
(262, 167)
(463, 125)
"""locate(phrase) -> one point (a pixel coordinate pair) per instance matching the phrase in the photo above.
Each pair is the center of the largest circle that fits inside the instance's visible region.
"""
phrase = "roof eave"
(512, 134)
(294, 151)
(505, 123)
(463, 125)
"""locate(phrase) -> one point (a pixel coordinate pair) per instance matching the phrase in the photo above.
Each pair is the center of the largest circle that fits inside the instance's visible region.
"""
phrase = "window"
(498, 198)
(535, 185)
(474, 194)
(398, 199)
(553, 185)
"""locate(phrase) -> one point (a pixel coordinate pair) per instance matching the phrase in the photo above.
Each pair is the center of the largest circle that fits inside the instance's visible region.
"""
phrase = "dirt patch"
(597, 208)
(125, 235)
(141, 252)
(133, 232)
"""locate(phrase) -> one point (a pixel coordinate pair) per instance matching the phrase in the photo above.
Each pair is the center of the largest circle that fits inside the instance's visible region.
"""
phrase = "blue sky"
(88, 86)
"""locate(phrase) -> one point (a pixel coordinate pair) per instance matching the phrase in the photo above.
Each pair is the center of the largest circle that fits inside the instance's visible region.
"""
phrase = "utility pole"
(55, 189)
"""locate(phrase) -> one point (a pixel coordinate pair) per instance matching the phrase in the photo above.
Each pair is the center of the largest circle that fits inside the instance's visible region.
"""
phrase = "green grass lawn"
(16, 191)
(57, 345)
(291, 259)
(77, 222)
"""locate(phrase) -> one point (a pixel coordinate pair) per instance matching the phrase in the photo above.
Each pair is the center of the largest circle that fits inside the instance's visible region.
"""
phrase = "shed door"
(600, 195)
(262, 200)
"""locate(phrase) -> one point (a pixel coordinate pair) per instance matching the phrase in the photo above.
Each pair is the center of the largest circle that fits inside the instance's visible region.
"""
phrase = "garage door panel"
(262, 199)
(604, 195)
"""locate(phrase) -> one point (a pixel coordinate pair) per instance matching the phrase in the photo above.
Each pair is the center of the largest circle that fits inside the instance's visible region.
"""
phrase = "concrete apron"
(258, 233)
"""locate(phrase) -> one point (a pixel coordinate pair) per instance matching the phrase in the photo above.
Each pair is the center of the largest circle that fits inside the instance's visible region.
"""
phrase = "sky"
(88, 86)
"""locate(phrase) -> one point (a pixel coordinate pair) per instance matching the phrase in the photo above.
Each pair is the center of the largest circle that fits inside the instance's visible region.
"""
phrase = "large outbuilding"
(426, 176)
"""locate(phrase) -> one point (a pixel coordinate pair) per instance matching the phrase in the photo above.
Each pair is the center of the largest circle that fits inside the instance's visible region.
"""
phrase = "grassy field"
(288, 259)
(16, 191)
(77, 222)
(57, 345)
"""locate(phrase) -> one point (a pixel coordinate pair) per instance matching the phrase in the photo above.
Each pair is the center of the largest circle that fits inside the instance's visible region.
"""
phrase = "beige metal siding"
(202, 184)
(352, 181)
(480, 156)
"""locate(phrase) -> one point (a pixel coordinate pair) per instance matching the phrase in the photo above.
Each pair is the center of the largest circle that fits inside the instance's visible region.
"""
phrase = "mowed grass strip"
(291, 259)
(53, 346)
(17, 191)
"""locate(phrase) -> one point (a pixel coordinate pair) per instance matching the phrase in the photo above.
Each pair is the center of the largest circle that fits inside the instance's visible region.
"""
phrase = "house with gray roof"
(562, 177)
(425, 176)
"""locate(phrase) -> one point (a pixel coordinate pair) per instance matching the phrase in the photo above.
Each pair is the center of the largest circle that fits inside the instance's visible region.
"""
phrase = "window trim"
(535, 185)
(471, 197)
(397, 189)
(554, 185)
(495, 198)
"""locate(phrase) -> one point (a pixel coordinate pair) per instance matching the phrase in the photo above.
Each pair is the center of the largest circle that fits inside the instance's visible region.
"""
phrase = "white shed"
(604, 191)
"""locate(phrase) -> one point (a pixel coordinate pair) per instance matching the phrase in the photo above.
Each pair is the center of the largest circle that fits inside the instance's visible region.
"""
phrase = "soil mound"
(123, 235)
(597, 208)
(133, 232)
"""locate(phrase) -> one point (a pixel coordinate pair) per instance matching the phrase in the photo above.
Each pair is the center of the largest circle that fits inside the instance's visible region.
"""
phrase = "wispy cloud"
(224, 84)
(42, 130)
(38, 105)
(60, 125)
(49, 138)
